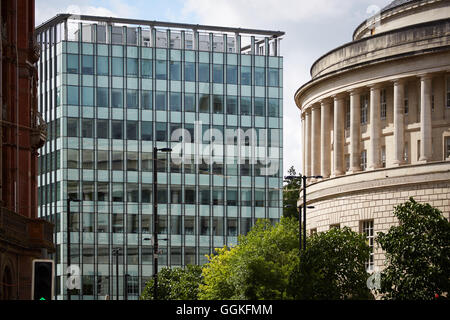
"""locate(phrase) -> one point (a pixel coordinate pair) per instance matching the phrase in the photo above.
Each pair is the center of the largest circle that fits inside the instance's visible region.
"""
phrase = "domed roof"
(402, 13)
(396, 3)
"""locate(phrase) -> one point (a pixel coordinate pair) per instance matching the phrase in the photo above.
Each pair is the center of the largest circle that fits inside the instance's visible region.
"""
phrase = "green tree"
(257, 268)
(266, 257)
(417, 253)
(216, 275)
(290, 195)
(175, 284)
(332, 267)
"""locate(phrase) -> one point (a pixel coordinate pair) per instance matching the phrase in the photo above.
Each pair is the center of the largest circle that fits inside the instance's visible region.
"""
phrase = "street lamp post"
(155, 219)
(304, 178)
(69, 199)
(115, 251)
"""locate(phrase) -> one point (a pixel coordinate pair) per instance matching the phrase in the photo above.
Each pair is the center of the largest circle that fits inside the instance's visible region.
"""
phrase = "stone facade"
(376, 121)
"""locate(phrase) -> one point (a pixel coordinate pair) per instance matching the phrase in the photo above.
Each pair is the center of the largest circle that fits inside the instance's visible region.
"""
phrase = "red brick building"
(23, 237)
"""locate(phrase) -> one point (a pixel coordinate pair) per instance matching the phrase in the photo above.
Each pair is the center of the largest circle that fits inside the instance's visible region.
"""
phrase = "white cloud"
(47, 9)
(259, 12)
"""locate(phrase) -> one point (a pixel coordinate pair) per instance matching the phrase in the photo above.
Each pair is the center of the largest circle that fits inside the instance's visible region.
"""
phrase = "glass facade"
(109, 95)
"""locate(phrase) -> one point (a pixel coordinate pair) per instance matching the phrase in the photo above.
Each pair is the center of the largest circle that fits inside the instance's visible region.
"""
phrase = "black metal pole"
(304, 212)
(116, 252)
(300, 228)
(68, 248)
(155, 224)
(125, 287)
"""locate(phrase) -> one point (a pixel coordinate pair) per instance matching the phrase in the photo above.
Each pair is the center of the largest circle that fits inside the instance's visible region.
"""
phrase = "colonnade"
(318, 127)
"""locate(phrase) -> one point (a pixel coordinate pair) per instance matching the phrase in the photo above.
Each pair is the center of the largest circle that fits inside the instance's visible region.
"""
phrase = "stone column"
(425, 119)
(325, 143)
(308, 142)
(315, 140)
(338, 135)
(399, 124)
(355, 131)
(375, 129)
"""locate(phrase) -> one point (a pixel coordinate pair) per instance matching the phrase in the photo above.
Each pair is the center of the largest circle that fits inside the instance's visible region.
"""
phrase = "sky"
(312, 28)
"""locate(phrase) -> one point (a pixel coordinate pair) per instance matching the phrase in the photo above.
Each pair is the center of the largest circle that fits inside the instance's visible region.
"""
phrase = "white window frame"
(367, 228)
(447, 147)
(364, 160)
(447, 96)
(406, 99)
(383, 104)
(364, 108)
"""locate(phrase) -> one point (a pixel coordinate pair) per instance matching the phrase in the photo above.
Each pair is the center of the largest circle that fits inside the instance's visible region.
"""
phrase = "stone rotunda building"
(376, 121)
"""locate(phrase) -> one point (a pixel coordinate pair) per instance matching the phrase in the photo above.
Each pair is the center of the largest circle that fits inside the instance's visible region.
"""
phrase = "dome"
(396, 3)
(402, 13)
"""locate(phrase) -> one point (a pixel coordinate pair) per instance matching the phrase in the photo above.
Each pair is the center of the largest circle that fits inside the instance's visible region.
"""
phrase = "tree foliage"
(175, 284)
(417, 253)
(266, 264)
(332, 267)
(257, 268)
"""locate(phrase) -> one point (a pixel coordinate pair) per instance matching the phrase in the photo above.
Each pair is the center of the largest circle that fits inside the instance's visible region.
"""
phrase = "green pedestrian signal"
(43, 277)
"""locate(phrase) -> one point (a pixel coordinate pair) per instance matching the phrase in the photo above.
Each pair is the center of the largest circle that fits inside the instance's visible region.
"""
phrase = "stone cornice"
(365, 181)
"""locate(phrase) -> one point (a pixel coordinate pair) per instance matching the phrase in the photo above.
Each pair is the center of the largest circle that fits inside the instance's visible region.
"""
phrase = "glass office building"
(111, 90)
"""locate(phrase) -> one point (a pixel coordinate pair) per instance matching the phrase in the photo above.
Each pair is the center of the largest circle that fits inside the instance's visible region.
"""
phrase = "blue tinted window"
(189, 102)
(273, 107)
(146, 130)
(231, 105)
(273, 77)
(146, 99)
(161, 131)
(246, 75)
(175, 70)
(161, 69)
(132, 99)
(88, 96)
(102, 66)
(102, 97)
(260, 77)
(232, 74)
(132, 130)
(117, 67)
(88, 65)
(218, 73)
(160, 100)
(175, 101)
(72, 63)
(246, 106)
(116, 98)
(132, 67)
(203, 72)
(72, 95)
(189, 71)
(146, 66)
(259, 107)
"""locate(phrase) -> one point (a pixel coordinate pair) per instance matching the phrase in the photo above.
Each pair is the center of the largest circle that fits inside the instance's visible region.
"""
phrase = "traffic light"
(42, 285)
